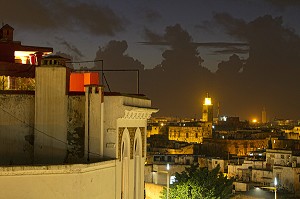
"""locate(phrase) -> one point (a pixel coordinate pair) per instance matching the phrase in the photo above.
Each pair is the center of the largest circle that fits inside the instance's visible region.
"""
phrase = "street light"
(275, 184)
(272, 188)
(168, 180)
(168, 177)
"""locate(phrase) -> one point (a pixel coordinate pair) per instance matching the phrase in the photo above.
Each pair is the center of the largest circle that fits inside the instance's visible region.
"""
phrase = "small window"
(187, 135)
(196, 135)
(282, 156)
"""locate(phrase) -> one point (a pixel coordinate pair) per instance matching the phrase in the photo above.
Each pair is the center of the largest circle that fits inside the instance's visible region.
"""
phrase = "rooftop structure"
(67, 134)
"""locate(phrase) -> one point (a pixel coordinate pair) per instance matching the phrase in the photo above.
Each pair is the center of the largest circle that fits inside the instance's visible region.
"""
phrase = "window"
(187, 135)
(196, 135)
(282, 156)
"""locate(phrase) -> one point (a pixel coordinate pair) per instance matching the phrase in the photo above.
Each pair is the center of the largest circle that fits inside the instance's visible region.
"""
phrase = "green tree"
(196, 182)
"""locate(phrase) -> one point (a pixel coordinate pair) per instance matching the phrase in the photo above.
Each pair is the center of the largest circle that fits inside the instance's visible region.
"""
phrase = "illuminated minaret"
(264, 116)
(207, 114)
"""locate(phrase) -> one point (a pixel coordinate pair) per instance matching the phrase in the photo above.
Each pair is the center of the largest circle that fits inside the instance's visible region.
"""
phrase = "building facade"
(191, 132)
(67, 141)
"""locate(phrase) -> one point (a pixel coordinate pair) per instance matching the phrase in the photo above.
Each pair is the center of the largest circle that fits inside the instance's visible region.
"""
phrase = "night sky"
(246, 54)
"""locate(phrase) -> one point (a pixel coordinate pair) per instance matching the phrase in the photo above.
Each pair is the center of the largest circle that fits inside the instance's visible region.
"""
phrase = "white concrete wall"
(134, 123)
(216, 162)
(160, 175)
(77, 181)
(126, 112)
(51, 104)
(262, 176)
(286, 177)
(93, 131)
(240, 186)
(16, 129)
(296, 172)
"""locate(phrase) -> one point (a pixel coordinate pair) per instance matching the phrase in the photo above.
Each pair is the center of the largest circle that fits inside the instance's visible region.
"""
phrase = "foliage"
(196, 182)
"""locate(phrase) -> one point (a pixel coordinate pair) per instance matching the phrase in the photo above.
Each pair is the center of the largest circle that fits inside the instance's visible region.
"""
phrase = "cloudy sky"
(147, 34)
(80, 27)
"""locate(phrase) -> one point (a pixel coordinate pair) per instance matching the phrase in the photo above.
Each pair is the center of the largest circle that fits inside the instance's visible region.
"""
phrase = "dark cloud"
(65, 55)
(269, 75)
(270, 42)
(90, 17)
(115, 58)
(29, 14)
(152, 37)
(152, 15)
(230, 67)
(77, 54)
(284, 3)
(197, 44)
(96, 19)
(234, 27)
(231, 50)
(206, 25)
(179, 78)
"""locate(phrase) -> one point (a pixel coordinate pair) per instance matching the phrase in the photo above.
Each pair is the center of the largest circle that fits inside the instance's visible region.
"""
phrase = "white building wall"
(222, 163)
(93, 123)
(159, 174)
(92, 181)
(262, 176)
(126, 120)
(285, 177)
(51, 104)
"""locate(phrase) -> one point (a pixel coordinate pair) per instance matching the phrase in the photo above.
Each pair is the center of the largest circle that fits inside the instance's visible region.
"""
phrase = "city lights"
(207, 101)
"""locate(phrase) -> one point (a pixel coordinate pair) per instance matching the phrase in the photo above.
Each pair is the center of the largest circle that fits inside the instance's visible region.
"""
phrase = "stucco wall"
(76, 111)
(51, 106)
(16, 129)
(60, 182)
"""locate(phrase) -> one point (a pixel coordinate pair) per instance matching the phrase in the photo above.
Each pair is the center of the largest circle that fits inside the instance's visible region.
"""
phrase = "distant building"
(190, 132)
(280, 164)
(264, 116)
(207, 110)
